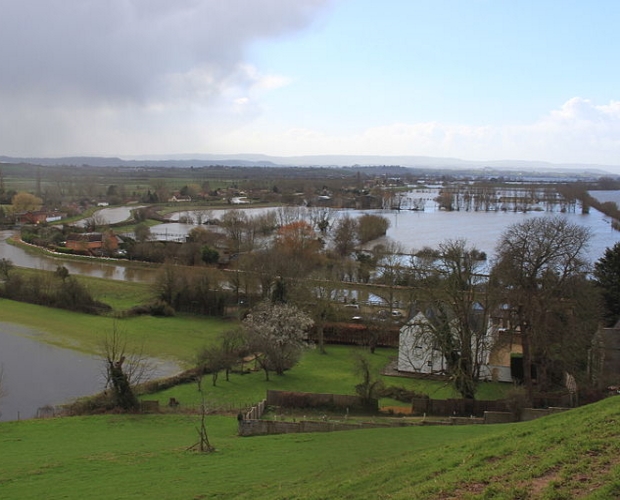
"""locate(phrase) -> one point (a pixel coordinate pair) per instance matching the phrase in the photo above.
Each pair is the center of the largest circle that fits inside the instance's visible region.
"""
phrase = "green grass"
(177, 338)
(570, 455)
(331, 373)
(120, 295)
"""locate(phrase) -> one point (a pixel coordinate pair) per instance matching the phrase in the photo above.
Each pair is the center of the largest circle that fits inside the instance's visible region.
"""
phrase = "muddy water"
(95, 268)
(36, 374)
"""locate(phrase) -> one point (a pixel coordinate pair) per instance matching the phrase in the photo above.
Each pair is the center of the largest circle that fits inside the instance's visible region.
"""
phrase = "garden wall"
(264, 427)
(455, 407)
(288, 399)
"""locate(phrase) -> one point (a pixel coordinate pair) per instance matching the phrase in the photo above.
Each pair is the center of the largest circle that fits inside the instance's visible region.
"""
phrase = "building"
(498, 353)
(606, 356)
(40, 216)
(93, 243)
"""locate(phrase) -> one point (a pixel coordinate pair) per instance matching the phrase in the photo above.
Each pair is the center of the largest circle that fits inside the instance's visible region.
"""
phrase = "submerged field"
(570, 455)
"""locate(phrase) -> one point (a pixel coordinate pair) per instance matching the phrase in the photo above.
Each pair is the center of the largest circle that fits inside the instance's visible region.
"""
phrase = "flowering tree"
(275, 334)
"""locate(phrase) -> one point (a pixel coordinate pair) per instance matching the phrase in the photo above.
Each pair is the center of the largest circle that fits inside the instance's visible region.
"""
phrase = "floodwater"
(36, 374)
(95, 268)
(414, 230)
(112, 215)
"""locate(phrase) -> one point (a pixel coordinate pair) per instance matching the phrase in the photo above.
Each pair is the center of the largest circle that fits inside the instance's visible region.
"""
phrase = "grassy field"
(564, 456)
(178, 338)
(331, 373)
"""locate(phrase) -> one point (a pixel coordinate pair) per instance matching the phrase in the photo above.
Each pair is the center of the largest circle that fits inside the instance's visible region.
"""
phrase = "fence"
(455, 407)
(313, 400)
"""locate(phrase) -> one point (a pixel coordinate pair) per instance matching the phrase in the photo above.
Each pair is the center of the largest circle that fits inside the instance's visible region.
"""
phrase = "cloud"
(118, 60)
(578, 131)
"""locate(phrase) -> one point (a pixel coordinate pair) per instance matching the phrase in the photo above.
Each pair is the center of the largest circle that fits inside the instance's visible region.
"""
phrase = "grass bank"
(178, 338)
(570, 455)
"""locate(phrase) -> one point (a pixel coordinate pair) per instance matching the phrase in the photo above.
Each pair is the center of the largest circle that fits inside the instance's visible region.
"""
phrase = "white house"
(418, 351)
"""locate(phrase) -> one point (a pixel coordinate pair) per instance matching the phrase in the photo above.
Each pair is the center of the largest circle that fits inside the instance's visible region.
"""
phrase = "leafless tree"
(345, 235)
(454, 307)
(541, 270)
(124, 368)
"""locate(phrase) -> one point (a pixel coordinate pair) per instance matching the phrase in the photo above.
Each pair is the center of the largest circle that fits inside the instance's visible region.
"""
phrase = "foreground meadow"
(570, 455)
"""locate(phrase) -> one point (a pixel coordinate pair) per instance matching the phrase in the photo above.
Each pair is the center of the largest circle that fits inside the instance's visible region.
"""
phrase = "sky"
(534, 80)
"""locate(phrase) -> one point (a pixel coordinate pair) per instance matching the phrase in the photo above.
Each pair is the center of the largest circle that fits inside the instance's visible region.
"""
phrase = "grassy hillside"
(570, 455)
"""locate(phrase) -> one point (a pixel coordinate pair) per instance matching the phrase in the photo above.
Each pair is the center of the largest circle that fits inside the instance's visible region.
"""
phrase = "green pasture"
(334, 372)
(177, 338)
(563, 456)
(120, 295)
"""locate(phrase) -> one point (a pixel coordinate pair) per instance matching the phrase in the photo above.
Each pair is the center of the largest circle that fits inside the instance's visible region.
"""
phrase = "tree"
(370, 387)
(209, 255)
(23, 202)
(322, 218)
(212, 359)
(454, 307)
(124, 369)
(275, 334)
(6, 265)
(389, 258)
(607, 279)
(540, 270)
(371, 227)
(222, 356)
(345, 235)
(296, 250)
(235, 223)
(142, 232)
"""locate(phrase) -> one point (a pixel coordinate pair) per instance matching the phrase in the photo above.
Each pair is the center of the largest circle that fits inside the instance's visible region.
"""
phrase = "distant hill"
(258, 160)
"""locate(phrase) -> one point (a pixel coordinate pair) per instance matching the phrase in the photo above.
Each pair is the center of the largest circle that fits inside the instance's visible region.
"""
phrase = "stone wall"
(288, 399)
(455, 407)
(264, 427)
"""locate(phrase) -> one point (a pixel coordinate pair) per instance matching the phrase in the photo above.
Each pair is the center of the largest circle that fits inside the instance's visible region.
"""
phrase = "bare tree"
(222, 356)
(370, 387)
(454, 308)
(95, 221)
(541, 270)
(322, 218)
(125, 367)
(345, 235)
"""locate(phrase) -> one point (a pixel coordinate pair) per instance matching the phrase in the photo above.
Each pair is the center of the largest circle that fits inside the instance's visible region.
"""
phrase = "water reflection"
(94, 268)
(417, 229)
(110, 215)
(38, 374)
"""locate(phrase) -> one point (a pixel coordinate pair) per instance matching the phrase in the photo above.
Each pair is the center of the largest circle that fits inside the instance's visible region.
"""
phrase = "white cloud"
(577, 132)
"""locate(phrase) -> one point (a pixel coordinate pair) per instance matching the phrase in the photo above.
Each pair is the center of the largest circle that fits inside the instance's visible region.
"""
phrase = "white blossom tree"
(275, 334)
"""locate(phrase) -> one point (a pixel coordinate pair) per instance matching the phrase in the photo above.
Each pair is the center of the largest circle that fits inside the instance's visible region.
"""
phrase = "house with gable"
(498, 352)
(40, 216)
(93, 243)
